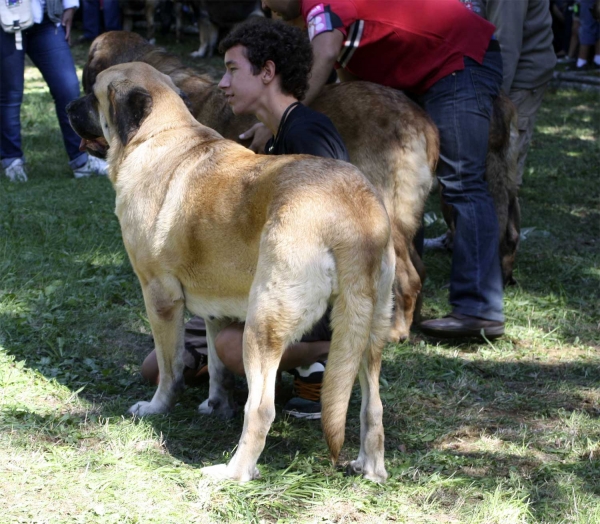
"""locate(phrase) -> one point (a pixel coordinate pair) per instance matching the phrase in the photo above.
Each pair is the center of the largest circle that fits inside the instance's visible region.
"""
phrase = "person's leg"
(588, 32)
(12, 68)
(91, 19)
(194, 373)
(527, 101)
(51, 54)
(112, 15)
(461, 106)
(574, 42)
(229, 346)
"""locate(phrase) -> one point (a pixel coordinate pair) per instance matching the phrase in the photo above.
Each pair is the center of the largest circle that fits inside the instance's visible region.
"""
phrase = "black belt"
(494, 45)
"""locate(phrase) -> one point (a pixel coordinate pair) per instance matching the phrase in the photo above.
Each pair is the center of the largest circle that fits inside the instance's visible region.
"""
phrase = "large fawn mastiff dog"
(389, 138)
(272, 240)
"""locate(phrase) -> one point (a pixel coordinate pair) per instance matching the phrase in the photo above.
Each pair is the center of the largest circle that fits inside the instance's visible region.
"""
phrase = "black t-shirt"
(308, 132)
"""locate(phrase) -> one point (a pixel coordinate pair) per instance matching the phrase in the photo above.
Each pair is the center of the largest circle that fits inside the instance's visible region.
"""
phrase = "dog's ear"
(129, 107)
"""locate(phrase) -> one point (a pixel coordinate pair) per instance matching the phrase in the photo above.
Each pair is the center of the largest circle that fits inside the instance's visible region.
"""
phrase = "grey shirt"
(524, 29)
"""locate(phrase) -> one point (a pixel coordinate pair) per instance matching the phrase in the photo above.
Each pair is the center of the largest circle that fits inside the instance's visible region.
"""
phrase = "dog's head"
(112, 48)
(121, 100)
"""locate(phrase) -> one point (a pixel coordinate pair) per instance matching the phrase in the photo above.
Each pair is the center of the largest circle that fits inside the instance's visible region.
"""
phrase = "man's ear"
(268, 72)
(129, 107)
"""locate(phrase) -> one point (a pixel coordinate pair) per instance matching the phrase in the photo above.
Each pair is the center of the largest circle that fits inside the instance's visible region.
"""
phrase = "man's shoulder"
(311, 132)
(306, 116)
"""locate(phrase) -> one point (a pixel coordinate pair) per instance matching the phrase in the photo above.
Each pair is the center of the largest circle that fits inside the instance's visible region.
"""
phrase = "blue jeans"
(460, 104)
(45, 44)
(111, 13)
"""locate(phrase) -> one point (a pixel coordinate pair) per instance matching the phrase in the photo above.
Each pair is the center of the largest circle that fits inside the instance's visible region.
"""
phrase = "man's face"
(240, 85)
(287, 9)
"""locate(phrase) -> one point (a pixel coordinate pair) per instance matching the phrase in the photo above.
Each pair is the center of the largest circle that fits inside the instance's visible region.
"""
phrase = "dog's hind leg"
(370, 461)
(282, 307)
(165, 308)
(220, 396)
(407, 287)
(361, 321)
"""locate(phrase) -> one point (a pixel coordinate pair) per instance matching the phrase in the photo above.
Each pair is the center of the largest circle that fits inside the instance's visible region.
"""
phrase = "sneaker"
(93, 166)
(588, 66)
(444, 242)
(15, 172)
(306, 402)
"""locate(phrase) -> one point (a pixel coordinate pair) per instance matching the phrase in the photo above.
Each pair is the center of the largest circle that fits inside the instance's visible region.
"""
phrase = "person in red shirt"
(445, 56)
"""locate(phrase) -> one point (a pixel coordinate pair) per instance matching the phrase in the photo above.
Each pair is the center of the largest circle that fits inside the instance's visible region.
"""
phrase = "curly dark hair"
(287, 46)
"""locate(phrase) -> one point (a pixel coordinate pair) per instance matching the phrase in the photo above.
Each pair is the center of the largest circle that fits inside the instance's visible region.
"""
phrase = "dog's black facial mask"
(130, 105)
(84, 119)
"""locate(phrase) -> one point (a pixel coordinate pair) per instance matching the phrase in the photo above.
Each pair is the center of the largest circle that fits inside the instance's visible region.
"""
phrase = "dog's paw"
(222, 472)
(141, 409)
(398, 335)
(201, 53)
(217, 472)
(357, 467)
(220, 408)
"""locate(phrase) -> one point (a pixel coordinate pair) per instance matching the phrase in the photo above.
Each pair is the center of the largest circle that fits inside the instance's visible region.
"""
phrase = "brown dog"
(210, 226)
(217, 15)
(389, 138)
(147, 8)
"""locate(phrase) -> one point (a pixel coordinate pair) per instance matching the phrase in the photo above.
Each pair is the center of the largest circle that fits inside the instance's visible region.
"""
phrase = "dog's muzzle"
(84, 119)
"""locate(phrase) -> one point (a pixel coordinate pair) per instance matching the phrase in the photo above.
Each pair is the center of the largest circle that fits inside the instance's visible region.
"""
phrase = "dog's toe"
(354, 468)
(357, 467)
(205, 408)
(224, 472)
(219, 408)
(217, 472)
(141, 409)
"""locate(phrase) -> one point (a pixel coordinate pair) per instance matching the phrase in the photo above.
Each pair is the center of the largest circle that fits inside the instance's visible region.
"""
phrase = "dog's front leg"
(220, 392)
(165, 308)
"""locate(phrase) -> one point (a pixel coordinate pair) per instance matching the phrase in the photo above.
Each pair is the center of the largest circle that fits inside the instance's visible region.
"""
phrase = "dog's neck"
(170, 124)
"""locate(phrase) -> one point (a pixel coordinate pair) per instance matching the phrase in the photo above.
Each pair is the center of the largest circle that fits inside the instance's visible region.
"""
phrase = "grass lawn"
(507, 432)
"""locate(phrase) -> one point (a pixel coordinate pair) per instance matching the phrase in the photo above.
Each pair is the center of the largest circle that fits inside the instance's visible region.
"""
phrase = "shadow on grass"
(435, 406)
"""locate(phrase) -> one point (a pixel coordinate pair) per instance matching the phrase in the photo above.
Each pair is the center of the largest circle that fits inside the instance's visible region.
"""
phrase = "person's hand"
(67, 21)
(260, 135)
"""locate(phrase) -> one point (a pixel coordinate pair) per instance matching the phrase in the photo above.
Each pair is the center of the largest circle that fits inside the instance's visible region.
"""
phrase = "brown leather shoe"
(456, 325)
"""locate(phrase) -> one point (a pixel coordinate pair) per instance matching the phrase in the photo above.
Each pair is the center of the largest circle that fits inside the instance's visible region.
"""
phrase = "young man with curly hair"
(267, 65)
(449, 60)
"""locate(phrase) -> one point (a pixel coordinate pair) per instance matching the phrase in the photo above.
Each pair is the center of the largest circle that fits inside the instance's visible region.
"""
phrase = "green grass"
(507, 432)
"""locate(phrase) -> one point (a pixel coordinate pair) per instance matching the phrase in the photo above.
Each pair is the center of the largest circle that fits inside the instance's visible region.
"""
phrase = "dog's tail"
(359, 263)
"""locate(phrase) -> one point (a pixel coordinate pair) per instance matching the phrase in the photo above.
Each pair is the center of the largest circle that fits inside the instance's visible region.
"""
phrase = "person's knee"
(229, 348)
(149, 369)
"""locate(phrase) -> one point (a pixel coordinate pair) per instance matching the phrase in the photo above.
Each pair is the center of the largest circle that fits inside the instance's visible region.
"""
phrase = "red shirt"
(405, 44)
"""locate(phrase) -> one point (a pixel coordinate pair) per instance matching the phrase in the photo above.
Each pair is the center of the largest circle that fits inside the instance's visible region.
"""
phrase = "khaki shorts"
(528, 101)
